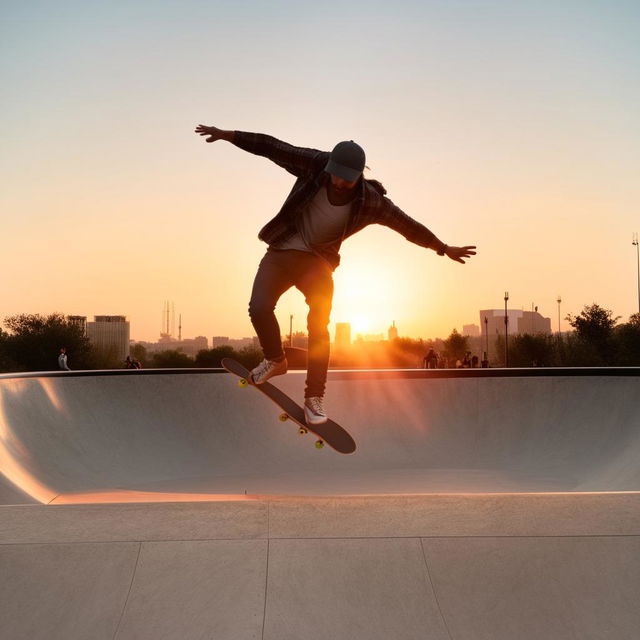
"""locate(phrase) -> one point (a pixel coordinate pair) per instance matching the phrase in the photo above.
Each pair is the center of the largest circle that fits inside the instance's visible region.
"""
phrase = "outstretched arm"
(296, 160)
(393, 217)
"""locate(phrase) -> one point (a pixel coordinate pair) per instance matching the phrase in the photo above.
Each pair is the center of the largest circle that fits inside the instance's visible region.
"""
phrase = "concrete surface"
(511, 509)
(455, 567)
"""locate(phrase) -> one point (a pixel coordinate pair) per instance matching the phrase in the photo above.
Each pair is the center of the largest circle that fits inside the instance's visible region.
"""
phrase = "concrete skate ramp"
(453, 563)
(194, 435)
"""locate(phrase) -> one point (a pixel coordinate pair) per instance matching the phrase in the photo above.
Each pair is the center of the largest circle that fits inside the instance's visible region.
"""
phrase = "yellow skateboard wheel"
(283, 417)
(319, 444)
(302, 431)
(243, 383)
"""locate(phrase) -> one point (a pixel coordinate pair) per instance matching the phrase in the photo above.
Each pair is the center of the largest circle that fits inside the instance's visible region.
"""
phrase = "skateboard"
(330, 432)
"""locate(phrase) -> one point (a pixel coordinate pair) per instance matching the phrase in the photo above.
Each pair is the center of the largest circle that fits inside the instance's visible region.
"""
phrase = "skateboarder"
(330, 201)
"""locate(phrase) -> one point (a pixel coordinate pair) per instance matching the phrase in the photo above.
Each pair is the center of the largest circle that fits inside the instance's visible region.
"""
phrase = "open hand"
(457, 253)
(213, 132)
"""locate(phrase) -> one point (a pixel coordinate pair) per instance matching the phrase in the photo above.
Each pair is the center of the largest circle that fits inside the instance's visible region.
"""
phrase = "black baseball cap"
(347, 161)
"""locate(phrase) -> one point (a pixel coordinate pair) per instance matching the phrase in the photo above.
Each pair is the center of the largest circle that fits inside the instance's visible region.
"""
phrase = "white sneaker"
(267, 369)
(314, 412)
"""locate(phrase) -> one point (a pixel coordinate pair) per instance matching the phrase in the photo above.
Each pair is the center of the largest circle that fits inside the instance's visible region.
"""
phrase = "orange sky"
(510, 127)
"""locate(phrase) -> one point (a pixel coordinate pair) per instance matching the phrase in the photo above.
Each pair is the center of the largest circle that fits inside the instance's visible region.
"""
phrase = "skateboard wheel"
(302, 431)
(243, 383)
(283, 417)
(319, 444)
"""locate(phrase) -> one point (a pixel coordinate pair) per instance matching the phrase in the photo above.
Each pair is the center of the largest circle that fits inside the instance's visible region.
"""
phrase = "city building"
(236, 343)
(471, 330)
(188, 346)
(532, 322)
(110, 334)
(392, 332)
(79, 321)
(370, 337)
(299, 340)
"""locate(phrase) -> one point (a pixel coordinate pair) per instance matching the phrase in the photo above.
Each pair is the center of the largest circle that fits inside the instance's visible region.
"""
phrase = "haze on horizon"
(511, 126)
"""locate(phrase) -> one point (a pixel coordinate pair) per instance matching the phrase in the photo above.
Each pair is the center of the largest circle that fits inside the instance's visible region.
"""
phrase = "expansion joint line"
(433, 589)
(126, 602)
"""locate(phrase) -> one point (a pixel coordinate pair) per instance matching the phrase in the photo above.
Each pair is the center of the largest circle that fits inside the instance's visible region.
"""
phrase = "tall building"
(519, 322)
(471, 330)
(393, 332)
(110, 334)
(343, 335)
(79, 321)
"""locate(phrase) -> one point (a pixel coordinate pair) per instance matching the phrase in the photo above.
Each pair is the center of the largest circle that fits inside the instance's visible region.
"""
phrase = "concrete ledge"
(133, 522)
(566, 514)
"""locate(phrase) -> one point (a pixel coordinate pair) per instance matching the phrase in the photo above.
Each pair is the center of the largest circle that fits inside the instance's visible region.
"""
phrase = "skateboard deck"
(330, 432)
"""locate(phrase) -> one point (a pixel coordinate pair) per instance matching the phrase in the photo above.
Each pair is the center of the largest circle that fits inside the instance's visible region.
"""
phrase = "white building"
(531, 322)
(110, 334)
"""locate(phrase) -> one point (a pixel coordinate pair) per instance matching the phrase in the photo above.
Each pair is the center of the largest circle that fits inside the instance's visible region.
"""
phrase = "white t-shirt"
(321, 224)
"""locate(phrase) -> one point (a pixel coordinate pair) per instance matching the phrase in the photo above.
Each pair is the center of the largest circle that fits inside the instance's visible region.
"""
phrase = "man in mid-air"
(330, 201)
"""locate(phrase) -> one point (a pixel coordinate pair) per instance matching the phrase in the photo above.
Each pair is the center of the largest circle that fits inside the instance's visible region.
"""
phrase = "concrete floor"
(486, 507)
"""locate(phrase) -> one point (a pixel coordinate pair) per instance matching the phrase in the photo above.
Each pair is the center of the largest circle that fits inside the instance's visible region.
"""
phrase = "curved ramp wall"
(193, 434)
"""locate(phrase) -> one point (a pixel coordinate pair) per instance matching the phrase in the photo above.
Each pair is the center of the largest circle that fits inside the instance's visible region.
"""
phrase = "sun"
(360, 323)
(366, 296)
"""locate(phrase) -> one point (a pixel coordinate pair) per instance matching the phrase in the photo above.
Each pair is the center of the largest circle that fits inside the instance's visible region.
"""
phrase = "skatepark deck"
(164, 504)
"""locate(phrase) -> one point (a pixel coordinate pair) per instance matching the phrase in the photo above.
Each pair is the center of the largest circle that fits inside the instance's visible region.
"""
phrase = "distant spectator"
(430, 361)
(466, 361)
(62, 360)
(132, 363)
(474, 362)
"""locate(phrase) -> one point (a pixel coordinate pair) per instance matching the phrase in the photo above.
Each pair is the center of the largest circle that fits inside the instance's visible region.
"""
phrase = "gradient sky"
(510, 125)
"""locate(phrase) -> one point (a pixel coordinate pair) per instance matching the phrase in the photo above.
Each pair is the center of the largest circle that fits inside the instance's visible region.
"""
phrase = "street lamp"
(486, 335)
(506, 330)
(634, 242)
(559, 301)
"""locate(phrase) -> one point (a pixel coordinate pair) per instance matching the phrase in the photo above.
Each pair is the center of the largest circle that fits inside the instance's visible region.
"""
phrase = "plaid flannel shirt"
(307, 165)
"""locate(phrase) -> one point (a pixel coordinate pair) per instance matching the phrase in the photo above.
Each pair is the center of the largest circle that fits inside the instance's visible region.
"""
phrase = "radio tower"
(168, 320)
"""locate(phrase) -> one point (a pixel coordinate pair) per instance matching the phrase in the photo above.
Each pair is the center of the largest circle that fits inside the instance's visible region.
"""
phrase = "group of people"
(434, 360)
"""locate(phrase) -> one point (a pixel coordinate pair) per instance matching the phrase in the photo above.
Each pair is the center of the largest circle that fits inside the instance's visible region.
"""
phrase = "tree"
(139, 353)
(627, 342)
(212, 357)
(250, 357)
(525, 350)
(455, 346)
(171, 359)
(33, 343)
(594, 328)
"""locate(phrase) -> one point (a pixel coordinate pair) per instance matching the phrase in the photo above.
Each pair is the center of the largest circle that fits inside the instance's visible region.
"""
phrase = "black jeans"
(310, 274)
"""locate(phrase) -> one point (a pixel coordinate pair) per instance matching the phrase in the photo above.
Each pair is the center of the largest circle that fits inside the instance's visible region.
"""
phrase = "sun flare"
(366, 296)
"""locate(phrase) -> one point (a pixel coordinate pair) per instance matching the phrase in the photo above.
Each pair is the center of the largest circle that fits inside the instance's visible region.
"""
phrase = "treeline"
(33, 342)
(597, 340)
